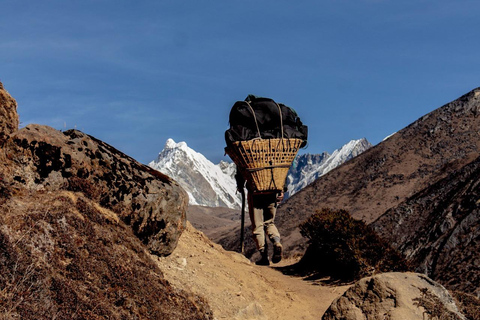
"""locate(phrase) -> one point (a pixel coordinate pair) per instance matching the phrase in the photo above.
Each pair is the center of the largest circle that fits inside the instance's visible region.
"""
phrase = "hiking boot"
(263, 260)
(277, 252)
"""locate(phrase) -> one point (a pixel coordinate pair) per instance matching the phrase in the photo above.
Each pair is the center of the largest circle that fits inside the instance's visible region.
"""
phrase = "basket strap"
(255, 118)
(281, 120)
(269, 167)
(273, 180)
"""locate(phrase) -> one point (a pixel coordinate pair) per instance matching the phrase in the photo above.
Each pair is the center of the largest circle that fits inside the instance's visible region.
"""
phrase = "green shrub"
(345, 248)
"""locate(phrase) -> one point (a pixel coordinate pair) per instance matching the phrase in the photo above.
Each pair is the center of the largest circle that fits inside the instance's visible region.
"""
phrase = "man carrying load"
(262, 208)
(263, 140)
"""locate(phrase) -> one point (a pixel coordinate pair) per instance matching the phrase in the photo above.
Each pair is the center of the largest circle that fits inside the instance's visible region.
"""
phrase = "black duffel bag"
(259, 117)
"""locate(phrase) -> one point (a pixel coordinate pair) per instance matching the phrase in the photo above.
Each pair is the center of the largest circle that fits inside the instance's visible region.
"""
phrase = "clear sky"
(135, 73)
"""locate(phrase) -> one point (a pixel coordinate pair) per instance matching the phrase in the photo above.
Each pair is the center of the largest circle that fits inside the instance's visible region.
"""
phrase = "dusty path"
(235, 288)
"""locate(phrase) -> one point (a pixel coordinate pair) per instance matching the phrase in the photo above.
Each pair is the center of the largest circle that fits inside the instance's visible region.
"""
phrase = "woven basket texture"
(264, 162)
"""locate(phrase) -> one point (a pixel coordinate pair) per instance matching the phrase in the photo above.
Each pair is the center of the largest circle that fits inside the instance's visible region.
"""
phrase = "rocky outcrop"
(438, 229)
(8, 114)
(76, 219)
(394, 296)
(40, 158)
(154, 206)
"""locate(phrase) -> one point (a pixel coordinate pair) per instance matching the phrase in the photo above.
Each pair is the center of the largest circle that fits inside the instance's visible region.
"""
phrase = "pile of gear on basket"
(263, 140)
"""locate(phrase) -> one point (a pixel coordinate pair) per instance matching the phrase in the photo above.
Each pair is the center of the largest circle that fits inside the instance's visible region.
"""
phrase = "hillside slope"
(63, 256)
(438, 229)
(386, 175)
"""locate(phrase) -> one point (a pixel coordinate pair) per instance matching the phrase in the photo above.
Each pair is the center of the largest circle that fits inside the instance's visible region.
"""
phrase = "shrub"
(433, 307)
(77, 184)
(468, 304)
(345, 248)
(5, 193)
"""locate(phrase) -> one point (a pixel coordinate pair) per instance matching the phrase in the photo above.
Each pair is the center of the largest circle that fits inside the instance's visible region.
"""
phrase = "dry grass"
(63, 258)
(434, 309)
(468, 304)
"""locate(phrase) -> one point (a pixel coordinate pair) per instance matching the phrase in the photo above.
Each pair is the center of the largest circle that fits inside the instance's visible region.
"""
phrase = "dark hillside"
(386, 175)
(438, 229)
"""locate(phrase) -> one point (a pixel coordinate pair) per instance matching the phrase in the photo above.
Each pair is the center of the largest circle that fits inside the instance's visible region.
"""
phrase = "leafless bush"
(345, 248)
(468, 304)
(434, 308)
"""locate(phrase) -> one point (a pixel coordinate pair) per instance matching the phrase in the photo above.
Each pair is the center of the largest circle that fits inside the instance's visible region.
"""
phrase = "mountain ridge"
(214, 185)
(206, 183)
(307, 168)
(406, 171)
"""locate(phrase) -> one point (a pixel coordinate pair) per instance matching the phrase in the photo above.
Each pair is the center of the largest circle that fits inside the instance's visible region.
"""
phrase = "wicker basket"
(264, 162)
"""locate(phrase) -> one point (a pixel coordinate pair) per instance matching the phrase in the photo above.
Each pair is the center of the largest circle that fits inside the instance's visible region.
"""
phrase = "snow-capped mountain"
(304, 166)
(213, 185)
(207, 184)
(307, 168)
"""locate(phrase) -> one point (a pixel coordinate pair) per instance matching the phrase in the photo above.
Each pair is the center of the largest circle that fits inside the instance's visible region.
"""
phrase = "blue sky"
(135, 73)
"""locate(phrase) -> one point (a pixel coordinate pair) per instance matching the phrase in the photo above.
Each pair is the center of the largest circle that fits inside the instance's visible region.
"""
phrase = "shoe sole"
(277, 253)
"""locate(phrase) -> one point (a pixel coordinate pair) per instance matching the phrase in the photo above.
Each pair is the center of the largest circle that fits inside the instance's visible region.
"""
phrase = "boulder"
(394, 296)
(8, 114)
(42, 158)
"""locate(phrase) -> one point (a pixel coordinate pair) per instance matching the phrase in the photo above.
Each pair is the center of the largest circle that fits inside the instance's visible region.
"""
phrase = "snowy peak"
(172, 145)
(177, 151)
(206, 183)
(213, 185)
(307, 167)
(345, 153)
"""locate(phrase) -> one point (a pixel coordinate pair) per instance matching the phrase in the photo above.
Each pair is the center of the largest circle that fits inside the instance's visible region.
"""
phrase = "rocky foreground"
(79, 224)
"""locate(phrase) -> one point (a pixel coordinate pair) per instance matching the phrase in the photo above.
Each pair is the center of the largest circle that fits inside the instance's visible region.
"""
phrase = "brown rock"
(8, 114)
(394, 296)
(46, 159)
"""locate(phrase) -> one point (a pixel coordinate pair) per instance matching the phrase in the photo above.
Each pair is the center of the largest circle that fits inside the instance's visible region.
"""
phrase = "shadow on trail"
(317, 271)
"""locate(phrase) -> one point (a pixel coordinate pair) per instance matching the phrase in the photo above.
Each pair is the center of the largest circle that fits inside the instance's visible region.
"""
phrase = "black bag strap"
(255, 118)
(281, 118)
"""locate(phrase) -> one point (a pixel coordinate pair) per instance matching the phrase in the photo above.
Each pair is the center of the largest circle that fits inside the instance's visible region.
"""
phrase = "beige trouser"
(262, 209)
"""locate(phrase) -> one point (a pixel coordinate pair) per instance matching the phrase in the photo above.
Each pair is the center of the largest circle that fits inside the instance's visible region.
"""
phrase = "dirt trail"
(235, 288)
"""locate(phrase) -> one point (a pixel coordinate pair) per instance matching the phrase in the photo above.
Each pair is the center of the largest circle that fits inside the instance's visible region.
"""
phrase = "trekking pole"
(242, 226)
